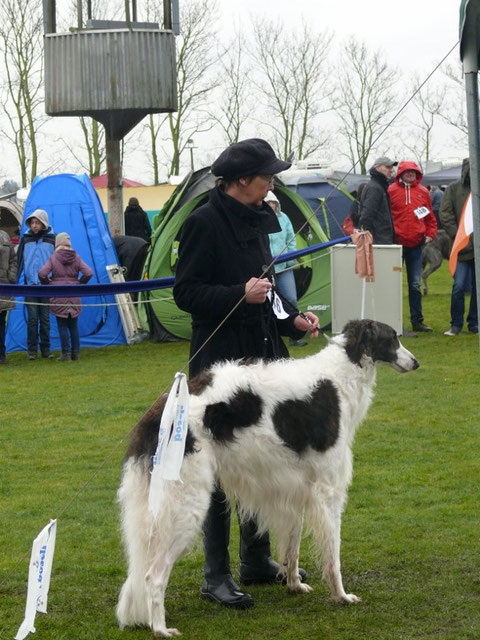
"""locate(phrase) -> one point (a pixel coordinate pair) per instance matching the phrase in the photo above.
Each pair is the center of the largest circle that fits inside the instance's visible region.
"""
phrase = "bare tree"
(195, 61)
(428, 104)
(453, 110)
(21, 49)
(365, 97)
(235, 91)
(294, 84)
(91, 155)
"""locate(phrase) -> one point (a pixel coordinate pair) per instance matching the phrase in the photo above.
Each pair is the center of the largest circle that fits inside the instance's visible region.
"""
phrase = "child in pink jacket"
(64, 267)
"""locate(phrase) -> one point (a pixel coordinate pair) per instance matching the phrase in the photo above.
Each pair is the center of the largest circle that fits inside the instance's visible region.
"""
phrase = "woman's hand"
(256, 290)
(307, 322)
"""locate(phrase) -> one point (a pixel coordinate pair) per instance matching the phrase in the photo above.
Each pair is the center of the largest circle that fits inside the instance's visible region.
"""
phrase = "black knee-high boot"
(257, 564)
(216, 536)
(218, 584)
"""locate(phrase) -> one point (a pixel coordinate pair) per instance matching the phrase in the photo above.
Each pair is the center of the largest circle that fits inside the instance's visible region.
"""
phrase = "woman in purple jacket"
(64, 267)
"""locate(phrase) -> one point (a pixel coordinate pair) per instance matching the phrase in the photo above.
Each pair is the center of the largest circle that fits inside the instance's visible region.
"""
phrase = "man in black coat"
(375, 211)
(224, 280)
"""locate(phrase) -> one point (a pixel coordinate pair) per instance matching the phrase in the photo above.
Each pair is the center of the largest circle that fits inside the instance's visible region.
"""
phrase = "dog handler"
(223, 279)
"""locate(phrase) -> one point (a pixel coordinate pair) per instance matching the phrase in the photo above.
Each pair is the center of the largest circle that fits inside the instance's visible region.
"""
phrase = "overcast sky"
(414, 34)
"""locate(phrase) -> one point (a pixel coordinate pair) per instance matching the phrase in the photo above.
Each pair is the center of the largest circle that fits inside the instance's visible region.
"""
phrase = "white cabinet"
(383, 298)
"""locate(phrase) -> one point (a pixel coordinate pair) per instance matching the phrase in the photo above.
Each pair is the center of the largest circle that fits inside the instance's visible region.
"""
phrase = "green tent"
(162, 316)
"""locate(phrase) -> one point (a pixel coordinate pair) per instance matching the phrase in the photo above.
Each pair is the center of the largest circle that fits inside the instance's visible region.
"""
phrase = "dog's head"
(379, 343)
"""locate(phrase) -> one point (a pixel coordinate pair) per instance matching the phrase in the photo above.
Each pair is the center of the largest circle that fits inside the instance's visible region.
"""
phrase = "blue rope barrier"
(133, 286)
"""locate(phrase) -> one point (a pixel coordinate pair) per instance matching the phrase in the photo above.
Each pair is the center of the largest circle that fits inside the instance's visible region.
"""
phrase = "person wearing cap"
(64, 267)
(415, 225)
(375, 211)
(36, 246)
(283, 242)
(224, 280)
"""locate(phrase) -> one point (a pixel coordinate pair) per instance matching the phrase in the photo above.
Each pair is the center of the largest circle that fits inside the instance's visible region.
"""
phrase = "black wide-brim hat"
(248, 158)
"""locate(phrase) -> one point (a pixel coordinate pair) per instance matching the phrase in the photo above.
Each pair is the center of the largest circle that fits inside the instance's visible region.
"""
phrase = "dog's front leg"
(328, 534)
(289, 548)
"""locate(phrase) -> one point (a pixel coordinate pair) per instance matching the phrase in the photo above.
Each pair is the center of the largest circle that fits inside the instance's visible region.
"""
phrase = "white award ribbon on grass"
(172, 434)
(39, 573)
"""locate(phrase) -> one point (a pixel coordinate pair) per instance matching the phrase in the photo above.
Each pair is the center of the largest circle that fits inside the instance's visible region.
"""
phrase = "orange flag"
(465, 229)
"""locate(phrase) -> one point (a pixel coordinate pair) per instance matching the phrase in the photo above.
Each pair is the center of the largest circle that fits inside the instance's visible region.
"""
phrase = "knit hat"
(41, 215)
(62, 240)
(271, 197)
(248, 158)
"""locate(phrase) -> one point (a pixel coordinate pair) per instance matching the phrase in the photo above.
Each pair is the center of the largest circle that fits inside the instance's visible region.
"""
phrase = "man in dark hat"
(375, 211)
(224, 280)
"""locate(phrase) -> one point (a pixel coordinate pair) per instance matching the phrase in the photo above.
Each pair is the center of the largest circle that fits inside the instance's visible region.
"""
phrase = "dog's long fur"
(278, 437)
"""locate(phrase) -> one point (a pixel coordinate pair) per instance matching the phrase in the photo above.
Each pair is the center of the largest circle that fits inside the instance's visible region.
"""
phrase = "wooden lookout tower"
(116, 72)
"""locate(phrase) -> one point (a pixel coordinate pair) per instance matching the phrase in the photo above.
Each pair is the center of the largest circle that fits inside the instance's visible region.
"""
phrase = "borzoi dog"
(278, 438)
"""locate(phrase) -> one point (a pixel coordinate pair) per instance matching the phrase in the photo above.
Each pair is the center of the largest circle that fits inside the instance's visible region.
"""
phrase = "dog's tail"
(132, 607)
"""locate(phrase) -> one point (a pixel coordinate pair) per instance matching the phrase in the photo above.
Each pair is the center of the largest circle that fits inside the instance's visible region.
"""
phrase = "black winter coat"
(137, 223)
(223, 245)
(375, 211)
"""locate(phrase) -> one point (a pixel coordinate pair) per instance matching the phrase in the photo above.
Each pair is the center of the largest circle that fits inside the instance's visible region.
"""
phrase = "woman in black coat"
(136, 221)
(223, 281)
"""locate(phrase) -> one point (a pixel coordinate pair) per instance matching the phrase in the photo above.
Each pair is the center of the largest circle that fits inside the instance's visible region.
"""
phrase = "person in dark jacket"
(36, 246)
(64, 267)
(224, 280)
(436, 195)
(136, 221)
(375, 211)
(8, 275)
(450, 212)
(354, 212)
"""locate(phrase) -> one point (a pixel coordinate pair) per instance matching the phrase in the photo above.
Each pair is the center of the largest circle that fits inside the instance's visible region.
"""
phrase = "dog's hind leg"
(325, 522)
(289, 547)
(178, 525)
(181, 528)
(156, 581)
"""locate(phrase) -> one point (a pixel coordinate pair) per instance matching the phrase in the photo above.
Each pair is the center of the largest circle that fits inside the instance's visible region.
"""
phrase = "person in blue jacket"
(36, 246)
(280, 243)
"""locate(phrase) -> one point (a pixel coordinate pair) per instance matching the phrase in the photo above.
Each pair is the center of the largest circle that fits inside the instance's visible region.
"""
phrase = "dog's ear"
(361, 336)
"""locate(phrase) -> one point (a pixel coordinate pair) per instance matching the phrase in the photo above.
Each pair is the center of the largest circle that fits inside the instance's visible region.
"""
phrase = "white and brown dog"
(277, 436)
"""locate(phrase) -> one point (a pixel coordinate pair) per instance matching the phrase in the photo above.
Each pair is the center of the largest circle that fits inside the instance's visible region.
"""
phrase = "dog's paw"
(347, 598)
(166, 633)
(300, 587)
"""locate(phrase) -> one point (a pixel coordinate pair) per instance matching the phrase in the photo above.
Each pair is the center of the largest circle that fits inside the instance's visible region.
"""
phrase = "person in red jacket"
(414, 224)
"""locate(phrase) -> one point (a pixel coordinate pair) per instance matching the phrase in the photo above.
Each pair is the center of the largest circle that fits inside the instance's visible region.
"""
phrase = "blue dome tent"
(330, 203)
(73, 206)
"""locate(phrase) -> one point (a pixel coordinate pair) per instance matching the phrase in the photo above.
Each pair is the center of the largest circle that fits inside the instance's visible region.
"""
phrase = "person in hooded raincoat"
(415, 224)
(36, 246)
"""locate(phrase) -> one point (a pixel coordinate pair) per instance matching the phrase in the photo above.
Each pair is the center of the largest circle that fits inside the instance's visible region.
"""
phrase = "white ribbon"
(39, 573)
(277, 305)
(172, 434)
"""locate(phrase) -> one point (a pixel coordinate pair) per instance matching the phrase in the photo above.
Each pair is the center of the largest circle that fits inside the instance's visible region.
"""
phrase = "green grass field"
(410, 540)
